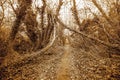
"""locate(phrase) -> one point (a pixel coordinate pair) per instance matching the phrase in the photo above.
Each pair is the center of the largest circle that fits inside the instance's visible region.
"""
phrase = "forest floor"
(65, 63)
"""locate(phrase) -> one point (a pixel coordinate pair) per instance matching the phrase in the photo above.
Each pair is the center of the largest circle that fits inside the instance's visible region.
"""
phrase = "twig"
(11, 4)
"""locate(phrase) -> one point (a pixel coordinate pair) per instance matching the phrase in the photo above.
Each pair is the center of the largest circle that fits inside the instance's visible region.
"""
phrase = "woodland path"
(63, 63)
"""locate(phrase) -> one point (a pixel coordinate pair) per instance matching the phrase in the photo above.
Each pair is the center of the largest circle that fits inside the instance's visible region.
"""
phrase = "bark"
(41, 34)
(76, 15)
(60, 29)
(31, 26)
(26, 59)
(49, 29)
(42, 19)
(19, 17)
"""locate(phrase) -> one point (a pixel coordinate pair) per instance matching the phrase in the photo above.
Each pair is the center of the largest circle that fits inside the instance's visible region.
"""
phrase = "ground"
(65, 63)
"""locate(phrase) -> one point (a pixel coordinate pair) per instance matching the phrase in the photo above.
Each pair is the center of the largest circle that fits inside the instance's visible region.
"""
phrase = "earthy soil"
(66, 63)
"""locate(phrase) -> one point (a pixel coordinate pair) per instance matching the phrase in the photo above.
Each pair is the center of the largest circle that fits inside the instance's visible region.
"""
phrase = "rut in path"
(64, 66)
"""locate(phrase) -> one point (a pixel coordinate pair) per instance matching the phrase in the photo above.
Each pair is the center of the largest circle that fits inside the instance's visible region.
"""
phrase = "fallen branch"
(32, 56)
(88, 36)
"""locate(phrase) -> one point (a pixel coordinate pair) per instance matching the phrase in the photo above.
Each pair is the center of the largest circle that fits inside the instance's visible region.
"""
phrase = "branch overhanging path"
(88, 36)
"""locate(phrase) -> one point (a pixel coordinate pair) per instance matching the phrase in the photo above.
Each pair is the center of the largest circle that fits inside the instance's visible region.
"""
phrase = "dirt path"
(63, 71)
(64, 63)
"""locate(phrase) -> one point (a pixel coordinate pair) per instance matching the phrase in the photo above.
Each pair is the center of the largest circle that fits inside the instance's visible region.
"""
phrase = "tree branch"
(88, 36)
(33, 55)
(103, 13)
(75, 14)
(59, 7)
(11, 4)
